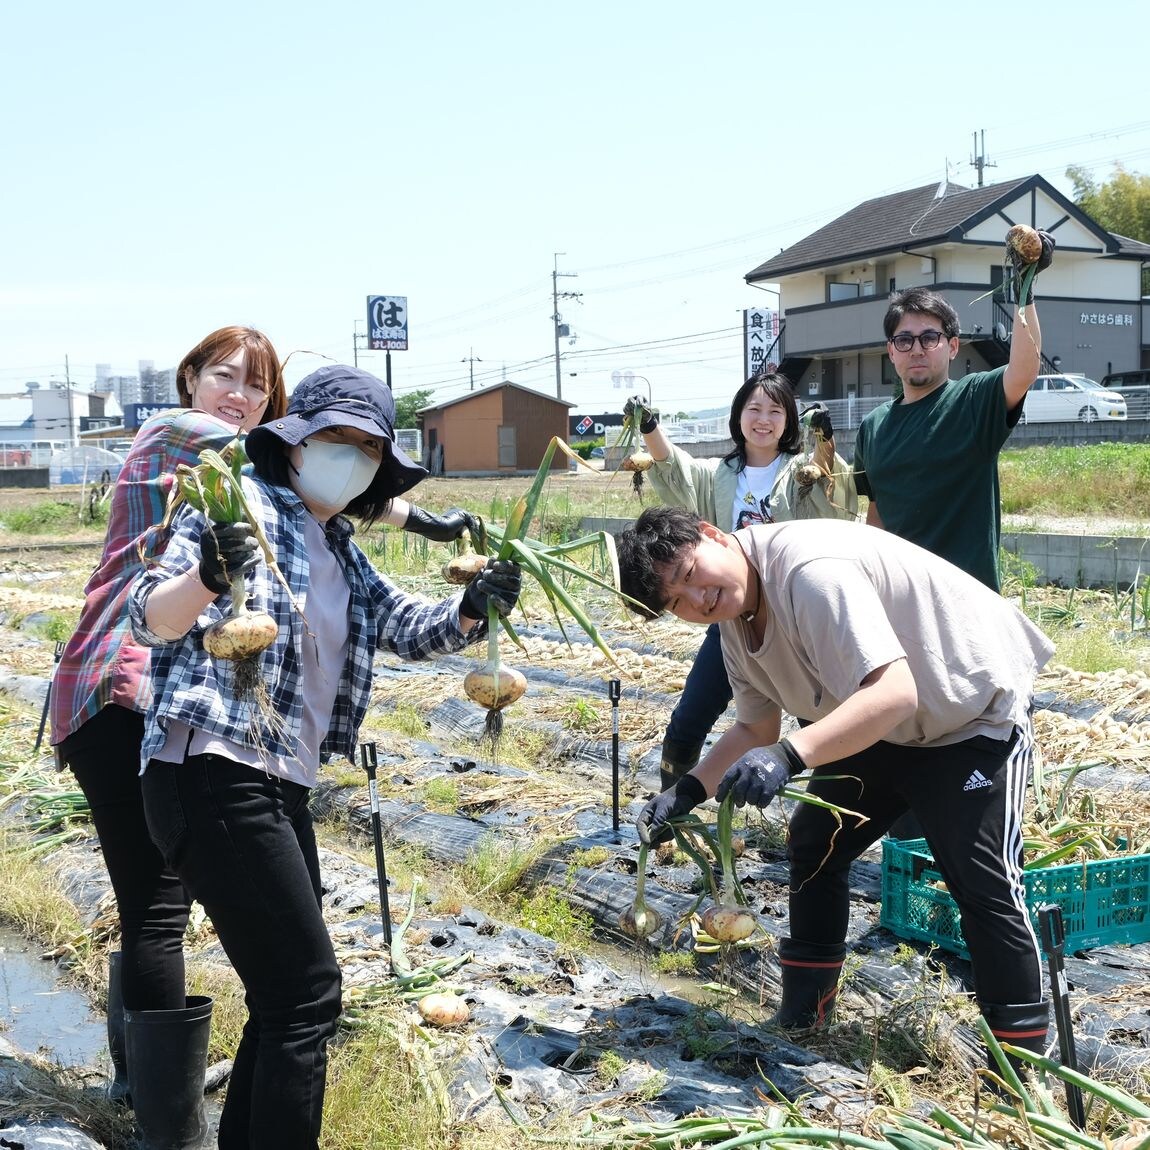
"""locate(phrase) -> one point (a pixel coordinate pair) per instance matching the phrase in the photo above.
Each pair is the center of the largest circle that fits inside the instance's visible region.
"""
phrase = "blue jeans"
(705, 697)
(104, 755)
(244, 846)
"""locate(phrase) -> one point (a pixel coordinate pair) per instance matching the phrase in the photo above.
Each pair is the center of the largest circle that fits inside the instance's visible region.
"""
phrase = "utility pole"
(556, 296)
(471, 359)
(68, 392)
(978, 159)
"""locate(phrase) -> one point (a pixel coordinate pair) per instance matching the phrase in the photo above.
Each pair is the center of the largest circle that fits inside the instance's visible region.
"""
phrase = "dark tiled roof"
(1129, 247)
(888, 224)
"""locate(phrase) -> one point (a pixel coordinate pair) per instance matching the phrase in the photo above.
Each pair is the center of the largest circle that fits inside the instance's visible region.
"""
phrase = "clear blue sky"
(170, 168)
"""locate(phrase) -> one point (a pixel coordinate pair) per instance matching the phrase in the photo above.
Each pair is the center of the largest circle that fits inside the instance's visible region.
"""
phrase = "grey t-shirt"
(845, 599)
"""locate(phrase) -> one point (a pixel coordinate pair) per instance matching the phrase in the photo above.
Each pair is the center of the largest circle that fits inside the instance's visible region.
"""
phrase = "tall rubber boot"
(1021, 1024)
(118, 1087)
(167, 1057)
(811, 973)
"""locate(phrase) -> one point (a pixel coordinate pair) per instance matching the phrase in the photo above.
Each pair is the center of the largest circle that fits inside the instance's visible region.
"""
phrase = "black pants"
(104, 755)
(968, 798)
(244, 845)
(706, 694)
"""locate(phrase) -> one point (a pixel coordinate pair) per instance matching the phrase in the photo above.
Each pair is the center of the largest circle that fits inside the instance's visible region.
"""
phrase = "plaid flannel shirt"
(101, 664)
(191, 687)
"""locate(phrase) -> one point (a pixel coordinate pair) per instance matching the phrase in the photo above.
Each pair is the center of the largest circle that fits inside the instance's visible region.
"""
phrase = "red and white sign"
(584, 425)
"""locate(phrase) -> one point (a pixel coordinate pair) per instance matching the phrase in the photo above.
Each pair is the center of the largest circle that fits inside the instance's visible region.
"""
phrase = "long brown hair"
(260, 358)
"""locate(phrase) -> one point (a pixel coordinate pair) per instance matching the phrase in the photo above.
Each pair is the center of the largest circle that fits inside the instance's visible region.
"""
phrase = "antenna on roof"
(940, 191)
(978, 160)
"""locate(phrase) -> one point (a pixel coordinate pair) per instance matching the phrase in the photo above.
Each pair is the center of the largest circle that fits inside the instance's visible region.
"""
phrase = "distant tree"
(407, 405)
(1120, 204)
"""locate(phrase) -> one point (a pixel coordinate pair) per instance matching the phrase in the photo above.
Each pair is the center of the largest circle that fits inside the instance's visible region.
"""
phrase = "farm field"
(509, 859)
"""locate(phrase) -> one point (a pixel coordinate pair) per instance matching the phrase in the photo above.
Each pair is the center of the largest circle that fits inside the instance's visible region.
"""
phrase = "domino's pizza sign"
(584, 425)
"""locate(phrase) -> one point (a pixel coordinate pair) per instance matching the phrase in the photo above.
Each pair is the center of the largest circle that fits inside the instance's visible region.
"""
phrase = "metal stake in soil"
(613, 688)
(367, 760)
(47, 699)
(1053, 940)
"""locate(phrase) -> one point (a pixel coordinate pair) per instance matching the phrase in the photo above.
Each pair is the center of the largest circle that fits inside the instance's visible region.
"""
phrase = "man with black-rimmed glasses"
(928, 459)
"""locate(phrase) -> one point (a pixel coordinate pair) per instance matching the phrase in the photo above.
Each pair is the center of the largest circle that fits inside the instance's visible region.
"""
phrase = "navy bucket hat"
(341, 396)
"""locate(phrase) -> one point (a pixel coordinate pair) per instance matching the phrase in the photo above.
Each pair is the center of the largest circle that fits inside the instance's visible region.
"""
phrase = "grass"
(51, 517)
(1111, 479)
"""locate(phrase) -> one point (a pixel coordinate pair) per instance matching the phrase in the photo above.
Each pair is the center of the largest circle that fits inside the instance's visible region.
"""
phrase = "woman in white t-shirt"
(758, 481)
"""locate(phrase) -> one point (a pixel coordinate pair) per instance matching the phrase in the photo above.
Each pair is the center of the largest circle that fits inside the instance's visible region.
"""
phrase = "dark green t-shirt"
(932, 468)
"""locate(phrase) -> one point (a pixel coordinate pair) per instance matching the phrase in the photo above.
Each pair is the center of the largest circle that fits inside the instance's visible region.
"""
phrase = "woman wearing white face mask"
(230, 817)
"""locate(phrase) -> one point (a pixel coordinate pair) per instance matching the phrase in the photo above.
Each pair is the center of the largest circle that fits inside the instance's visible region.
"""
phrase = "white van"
(1059, 398)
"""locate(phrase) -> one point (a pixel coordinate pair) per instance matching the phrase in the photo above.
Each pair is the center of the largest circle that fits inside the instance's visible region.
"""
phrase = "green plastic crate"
(1103, 902)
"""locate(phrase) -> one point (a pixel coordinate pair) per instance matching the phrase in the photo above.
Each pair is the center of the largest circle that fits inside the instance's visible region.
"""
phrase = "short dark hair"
(778, 388)
(273, 467)
(920, 301)
(657, 537)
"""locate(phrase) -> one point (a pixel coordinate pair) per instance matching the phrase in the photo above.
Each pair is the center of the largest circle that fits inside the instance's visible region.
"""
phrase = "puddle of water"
(39, 1014)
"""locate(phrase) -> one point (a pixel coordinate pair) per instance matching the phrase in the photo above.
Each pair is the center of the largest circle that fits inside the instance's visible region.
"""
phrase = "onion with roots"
(729, 923)
(494, 687)
(639, 920)
(214, 487)
(462, 568)
(1026, 242)
(637, 463)
(1023, 251)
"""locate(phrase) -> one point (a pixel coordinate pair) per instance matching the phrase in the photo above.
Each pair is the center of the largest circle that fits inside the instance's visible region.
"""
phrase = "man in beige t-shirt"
(912, 683)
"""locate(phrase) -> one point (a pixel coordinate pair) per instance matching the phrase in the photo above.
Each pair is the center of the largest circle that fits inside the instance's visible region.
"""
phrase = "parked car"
(1119, 379)
(1057, 398)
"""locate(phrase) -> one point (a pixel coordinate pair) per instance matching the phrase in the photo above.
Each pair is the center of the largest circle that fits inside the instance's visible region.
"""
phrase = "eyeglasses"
(928, 340)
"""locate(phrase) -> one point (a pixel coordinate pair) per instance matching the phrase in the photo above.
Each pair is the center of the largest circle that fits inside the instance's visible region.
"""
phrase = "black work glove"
(648, 416)
(680, 799)
(1040, 265)
(498, 584)
(820, 421)
(760, 774)
(226, 550)
(445, 528)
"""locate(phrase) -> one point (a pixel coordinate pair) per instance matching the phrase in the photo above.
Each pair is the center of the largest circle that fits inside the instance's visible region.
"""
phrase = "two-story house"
(835, 284)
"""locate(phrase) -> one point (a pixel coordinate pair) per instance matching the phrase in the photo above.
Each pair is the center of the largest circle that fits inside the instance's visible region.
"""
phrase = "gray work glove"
(680, 799)
(445, 528)
(648, 416)
(226, 550)
(498, 583)
(760, 774)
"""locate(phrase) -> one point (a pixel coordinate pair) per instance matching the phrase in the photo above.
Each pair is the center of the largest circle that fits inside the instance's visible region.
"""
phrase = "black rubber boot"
(167, 1057)
(811, 973)
(678, 760)
(118, 1087)
(1021, 1024)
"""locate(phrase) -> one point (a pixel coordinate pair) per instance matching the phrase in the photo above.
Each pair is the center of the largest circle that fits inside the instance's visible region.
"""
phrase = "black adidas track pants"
(968, 798)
